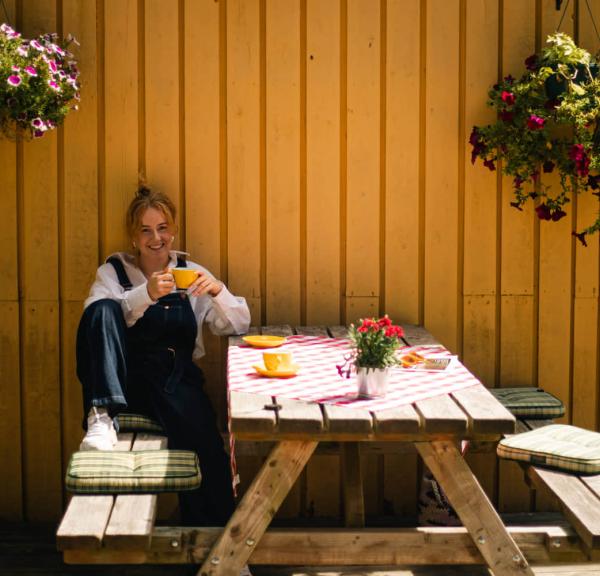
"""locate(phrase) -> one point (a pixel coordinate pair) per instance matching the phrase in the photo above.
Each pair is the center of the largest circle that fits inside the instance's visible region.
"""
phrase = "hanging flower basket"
(38, 83)
(548, 122)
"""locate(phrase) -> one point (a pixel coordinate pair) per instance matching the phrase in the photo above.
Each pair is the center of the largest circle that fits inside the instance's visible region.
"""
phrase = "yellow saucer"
(288, 373)
(264, 341)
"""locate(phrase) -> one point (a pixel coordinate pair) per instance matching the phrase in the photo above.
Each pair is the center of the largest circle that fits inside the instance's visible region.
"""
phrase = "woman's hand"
(205, 284)
(160, 284)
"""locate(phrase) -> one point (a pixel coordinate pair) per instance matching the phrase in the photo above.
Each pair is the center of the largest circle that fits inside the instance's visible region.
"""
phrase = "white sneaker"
(101, 434)
(245, 571)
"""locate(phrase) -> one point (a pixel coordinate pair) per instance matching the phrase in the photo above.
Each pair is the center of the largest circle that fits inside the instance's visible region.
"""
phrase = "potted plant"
(548, 122)
(38, 83)
(373, 343)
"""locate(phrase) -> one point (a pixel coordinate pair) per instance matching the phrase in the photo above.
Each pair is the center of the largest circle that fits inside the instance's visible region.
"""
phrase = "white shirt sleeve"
(227, 314)
(133, 302)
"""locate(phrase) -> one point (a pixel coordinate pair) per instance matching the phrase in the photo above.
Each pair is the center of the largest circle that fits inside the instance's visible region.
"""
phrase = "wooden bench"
(578, 496)
(124, 521)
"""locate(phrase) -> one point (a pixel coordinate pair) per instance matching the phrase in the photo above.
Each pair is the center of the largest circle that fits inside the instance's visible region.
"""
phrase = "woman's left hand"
(205, 284)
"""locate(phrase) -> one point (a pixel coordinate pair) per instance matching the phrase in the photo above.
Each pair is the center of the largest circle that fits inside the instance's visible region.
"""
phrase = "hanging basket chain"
(592, 18)
(563, 14)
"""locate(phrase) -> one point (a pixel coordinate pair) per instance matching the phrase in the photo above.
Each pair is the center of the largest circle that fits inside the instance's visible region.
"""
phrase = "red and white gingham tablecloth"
(318, 379)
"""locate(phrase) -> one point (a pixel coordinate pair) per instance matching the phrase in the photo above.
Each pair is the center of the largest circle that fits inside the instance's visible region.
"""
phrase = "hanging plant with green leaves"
(548, 122)
(39, 83)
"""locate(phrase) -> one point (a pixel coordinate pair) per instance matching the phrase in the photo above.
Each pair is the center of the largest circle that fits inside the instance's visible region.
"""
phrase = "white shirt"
(224, 313)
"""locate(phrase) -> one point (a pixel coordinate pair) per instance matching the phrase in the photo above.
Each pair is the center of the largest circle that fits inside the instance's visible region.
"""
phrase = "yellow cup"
(275, 361)
(184, 277)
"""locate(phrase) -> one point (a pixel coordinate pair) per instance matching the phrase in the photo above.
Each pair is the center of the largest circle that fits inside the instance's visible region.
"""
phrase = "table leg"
(474, 508)
(354, 503)
(256, 509)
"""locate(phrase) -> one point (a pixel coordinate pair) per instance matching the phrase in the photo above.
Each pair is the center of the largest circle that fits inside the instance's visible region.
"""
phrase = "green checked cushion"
(144, 471)
(129, 422)
(555, 446)
(533, 403)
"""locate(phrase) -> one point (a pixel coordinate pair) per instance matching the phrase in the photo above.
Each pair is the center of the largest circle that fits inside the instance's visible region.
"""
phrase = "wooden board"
(441, 415)
(363, 171)
(11, 501)
(442, 272)
(322, 162)
(403, 256)
(119, 145)
(282, 45)
(244, 138)
(484, 415)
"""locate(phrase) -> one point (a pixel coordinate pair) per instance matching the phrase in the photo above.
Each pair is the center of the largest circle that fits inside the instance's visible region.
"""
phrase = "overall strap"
(121, 274)
(181, 263)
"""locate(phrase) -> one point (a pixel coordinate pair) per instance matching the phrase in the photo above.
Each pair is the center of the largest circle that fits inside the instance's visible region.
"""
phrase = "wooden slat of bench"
(579, 504)
(86, 517)
(132, 518)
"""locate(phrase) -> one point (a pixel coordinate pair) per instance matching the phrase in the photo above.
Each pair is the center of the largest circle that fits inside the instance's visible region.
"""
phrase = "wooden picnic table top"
(470, 413)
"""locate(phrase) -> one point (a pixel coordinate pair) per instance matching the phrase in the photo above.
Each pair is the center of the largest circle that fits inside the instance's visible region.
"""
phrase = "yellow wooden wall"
(317, 152)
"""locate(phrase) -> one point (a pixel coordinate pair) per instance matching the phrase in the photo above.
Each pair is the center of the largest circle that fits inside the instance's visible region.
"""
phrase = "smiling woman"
(136, 344)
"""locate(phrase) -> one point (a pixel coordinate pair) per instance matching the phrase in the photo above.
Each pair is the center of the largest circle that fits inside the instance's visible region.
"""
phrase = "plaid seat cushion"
(533, 403)
(144, 471)
(555, 446)
(129, 422)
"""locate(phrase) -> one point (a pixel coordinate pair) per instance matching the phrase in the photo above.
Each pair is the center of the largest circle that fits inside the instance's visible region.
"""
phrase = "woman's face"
(155, 237)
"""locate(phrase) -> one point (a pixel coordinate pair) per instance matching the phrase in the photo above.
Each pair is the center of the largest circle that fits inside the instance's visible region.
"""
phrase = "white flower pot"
(372, 382)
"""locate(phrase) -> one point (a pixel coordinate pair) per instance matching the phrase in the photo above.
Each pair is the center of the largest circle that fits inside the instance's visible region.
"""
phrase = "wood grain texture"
(243, 152)
(440, 414)
(322, 159)
(283, 169)
(83, 525)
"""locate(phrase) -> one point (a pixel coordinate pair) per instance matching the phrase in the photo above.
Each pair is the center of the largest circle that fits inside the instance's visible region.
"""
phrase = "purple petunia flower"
(14, 80)
(543, 212)
(535, 122)
(532, 63)
(558, 214)
(54, 85)
(581, 159)
(38, 133)
(31, 70)
(52, 65)
(489, 164)
(37, 123)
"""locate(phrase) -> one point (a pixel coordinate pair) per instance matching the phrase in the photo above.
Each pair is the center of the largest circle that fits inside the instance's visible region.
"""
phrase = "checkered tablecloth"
(318, 379)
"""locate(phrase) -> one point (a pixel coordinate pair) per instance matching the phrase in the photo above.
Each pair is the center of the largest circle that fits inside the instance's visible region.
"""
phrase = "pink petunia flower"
(535, 122)
(31, 70)
(52, 65)
(21, 51)
(54, 85)
(14, 80)
(508, 98)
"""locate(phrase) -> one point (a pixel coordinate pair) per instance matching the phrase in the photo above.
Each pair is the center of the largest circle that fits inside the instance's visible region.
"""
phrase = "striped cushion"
(533, 403)
(555, 446)
(129, 422)
(96, 472)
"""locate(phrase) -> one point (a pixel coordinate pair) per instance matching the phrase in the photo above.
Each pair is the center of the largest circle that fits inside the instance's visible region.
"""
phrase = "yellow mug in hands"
(184, 277)
(278, 361)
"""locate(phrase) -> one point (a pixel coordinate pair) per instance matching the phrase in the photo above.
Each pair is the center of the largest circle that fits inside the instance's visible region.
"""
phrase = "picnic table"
(435, 418)
(435, 424)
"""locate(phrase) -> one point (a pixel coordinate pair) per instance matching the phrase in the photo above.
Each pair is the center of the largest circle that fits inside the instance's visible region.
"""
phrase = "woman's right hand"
(160, 284)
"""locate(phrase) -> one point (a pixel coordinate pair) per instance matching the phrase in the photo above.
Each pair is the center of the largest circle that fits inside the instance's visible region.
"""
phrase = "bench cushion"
(143, 471)
(532, 403)
(129, 422)
(555, 446)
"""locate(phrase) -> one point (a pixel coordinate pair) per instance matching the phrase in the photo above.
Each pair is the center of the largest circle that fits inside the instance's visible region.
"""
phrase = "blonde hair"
(146, 198)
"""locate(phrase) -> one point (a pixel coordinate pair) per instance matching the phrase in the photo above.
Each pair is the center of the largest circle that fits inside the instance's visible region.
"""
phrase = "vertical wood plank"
(162, 98)
(79, 209)
(243, 151)
(363, 162)
(40, 318)
(554, 358)
(120, 170)
(322, 163)
(584, 390)
(202, 129)
(11, 498)
(402, 161)
(283, 161)
(10, 414)
(517, 337)
(441, 186)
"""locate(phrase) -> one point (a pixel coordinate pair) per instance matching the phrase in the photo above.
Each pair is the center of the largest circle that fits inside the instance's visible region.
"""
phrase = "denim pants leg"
(101, 356)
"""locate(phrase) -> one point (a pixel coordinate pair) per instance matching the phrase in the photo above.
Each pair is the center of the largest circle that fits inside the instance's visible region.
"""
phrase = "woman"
(136, 344)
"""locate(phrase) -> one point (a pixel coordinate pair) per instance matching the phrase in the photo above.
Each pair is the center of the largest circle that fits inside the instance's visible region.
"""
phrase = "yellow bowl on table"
(264, 341)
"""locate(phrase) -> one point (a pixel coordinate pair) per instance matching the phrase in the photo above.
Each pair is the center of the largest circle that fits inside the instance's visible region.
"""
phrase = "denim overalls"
(148, 369)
